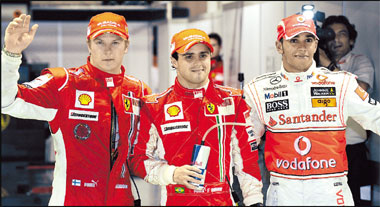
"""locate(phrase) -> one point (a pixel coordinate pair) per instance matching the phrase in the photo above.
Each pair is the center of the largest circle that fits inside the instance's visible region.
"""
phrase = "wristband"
(11, 54)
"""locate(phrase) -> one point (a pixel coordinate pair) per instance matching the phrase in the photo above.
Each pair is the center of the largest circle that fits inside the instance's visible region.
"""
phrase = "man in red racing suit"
(92, 112)
(174, 121)
(305, 109)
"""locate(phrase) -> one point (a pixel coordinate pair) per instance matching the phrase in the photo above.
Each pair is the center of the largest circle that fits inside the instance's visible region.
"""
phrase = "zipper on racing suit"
(114, 138)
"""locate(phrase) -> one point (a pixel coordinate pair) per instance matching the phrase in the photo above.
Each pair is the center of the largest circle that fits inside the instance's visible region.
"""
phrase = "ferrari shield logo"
(127, 104)
(211, 108)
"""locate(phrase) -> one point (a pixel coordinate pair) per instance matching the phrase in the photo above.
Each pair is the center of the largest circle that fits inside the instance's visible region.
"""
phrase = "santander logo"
(307, 163)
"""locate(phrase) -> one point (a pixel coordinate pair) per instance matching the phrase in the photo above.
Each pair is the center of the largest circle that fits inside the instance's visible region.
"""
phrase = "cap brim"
(297, 33)
(187, 47)
(102, 31)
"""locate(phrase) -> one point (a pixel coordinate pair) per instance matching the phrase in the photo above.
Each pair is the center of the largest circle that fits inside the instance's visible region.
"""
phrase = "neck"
(193, 86)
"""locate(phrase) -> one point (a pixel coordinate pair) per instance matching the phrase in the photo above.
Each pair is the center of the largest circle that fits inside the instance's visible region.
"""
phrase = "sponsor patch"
(173, 111)
(109, 82)
(179, 189)
(253, 145)
(338, 184)
(275, 88)
(277, 105)
(82, 131)
(275, 80)
(211, 108)
(250, 131)
(75, 182)
(39, 81)
(217, 189)
(272, 122)
(323, 102)
(131, 105)
(276, 94)
(93, 184)
(121, 186)
(175, 127)
(372, 101)
(83, 115)
(323, 91)
(361, 93)
(84, 99)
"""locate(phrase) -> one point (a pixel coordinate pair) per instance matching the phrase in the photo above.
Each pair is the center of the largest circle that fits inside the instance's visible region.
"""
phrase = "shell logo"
(173, 111)
(84, 99)
(211, 107)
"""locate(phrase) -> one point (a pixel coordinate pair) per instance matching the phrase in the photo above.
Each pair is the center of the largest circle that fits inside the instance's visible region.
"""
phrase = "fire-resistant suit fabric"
(305, 116)
(216, 73)
(86, 108)
(174, 121)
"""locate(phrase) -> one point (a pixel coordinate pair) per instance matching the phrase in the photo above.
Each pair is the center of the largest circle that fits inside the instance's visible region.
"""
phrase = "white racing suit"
(305, 116)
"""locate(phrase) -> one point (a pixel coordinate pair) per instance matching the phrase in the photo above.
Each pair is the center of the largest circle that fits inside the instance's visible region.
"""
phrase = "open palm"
(18, 36)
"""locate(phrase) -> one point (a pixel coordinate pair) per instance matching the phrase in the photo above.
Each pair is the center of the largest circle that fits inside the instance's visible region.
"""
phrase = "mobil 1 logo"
(277, 105)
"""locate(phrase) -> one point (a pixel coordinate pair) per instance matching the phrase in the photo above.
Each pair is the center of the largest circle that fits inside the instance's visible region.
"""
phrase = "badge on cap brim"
(82, 131)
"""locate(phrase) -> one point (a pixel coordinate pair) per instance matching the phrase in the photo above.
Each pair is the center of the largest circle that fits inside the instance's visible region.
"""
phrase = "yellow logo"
(179, 189)
(84, 99)
(127, 104)
(211, 107)
(173, 110)
(323, 102)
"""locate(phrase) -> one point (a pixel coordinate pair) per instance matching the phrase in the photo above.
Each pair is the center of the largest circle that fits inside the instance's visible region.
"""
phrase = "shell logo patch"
(173, 111)
(361, 93)
(211, 108)
(84, 99)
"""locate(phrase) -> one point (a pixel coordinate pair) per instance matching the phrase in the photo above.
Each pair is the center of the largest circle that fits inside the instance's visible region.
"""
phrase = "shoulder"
(263, 77)
(323, 73)
(59, 75)
(228, 91)
(156, 98)
(138, 84)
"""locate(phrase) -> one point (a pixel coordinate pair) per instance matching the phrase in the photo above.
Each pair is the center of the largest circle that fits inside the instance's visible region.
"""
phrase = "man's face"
(297, 53)
(107, 52)
(216, 47)
(340, 46)
(193, 66)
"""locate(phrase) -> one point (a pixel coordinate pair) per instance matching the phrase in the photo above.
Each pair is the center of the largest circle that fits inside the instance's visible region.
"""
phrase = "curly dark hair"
(352, 33)
(216, 37)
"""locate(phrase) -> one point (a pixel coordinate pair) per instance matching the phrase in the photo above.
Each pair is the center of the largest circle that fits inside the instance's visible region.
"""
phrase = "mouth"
(108, 60)
(197, 70)
(301, 56)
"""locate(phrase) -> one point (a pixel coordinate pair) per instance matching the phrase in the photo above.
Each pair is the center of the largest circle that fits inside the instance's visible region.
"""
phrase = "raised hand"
(18, 36)
(182, 175)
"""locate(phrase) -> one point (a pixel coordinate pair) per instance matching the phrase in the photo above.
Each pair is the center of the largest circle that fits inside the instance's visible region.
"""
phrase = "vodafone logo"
(306, 141)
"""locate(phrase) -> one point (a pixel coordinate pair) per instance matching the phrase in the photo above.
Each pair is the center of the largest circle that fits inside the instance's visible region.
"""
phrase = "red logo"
(272, 122)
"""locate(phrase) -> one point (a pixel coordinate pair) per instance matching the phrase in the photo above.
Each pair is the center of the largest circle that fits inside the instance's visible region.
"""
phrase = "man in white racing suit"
(304, 110)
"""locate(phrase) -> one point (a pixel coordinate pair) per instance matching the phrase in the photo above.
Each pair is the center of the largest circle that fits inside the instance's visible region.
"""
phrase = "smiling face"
(193, 66)
(107, 52)
(297, 53)
(341, 45)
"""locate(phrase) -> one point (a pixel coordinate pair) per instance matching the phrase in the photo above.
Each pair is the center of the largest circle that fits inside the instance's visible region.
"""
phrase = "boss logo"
(277, 105)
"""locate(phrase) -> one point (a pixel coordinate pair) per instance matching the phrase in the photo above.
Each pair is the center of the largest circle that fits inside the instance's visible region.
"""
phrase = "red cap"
(184, 40)
(107, 22)
(294, 25)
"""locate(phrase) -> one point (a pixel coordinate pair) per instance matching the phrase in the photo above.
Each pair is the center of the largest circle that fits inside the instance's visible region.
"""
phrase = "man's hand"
(323, 59)
(17, 35)
(182, 175)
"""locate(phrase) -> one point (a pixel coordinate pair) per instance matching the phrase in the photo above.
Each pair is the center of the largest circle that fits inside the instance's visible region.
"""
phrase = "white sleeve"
(255, 120)
(157, 169)
(9, 78)
(362, 108)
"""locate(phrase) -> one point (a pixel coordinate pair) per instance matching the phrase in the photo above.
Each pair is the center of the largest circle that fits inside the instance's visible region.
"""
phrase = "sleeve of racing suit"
(361, 107)
(245, 156)
(148, 158)
(32, 100)
(255, 120)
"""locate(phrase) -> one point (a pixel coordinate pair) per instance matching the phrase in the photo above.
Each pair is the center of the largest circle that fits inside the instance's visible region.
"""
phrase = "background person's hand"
(18, 36)
(323, 58)
(182, 175)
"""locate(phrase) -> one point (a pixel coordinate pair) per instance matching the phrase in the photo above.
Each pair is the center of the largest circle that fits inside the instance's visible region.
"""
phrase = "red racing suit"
(84, 107)
(174, 121)
(305, 116)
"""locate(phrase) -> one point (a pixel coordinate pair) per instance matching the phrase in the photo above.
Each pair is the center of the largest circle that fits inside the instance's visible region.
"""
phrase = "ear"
(316, 46)
(174, 62)
(352, 42)
(89, 46)
(126, 46)
(279, 47)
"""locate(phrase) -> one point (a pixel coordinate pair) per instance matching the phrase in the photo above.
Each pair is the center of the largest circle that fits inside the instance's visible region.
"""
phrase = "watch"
(11, 54)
